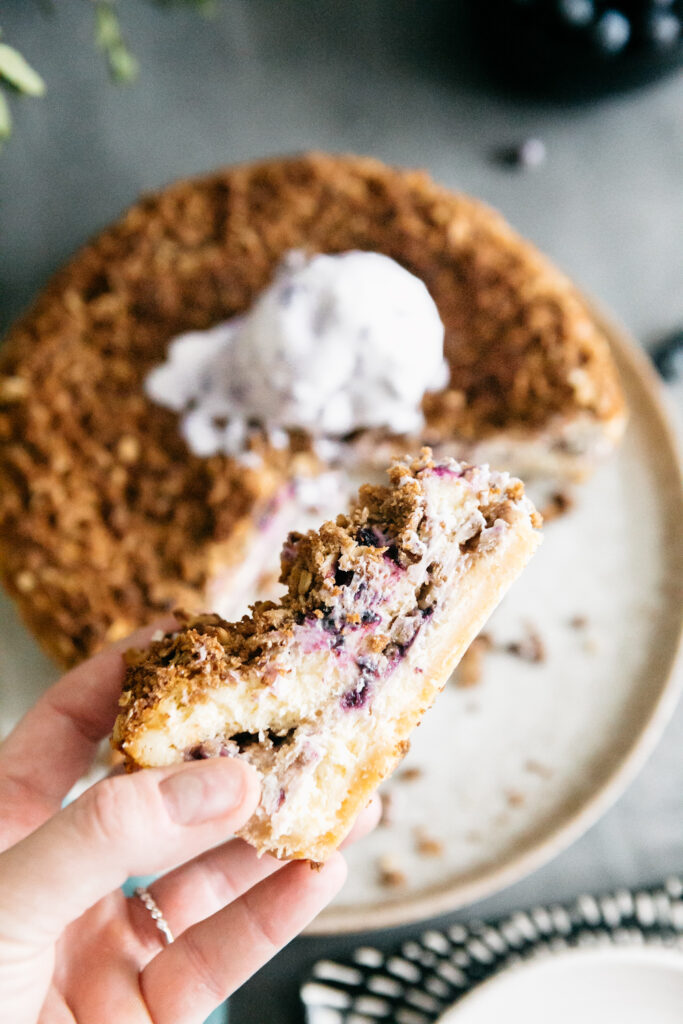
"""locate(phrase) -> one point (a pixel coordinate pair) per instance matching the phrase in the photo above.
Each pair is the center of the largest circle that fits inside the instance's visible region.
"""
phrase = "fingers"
(199, 889)
(55, 742)
(196, 890)
(128, 825)
(191, 977)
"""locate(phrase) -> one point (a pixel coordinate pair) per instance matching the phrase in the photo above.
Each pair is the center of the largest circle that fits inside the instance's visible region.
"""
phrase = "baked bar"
(321, 691)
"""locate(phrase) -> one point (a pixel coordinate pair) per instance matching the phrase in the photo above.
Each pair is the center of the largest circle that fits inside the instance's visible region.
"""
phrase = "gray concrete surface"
(269, 76)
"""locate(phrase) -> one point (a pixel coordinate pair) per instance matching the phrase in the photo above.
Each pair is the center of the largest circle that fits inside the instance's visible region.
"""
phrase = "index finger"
(56, 740)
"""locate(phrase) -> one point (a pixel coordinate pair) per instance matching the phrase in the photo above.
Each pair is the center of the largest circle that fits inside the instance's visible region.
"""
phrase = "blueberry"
(531, 153)
(343, 577)
(392, 553)
(526, 155)
(358, 698)
(370, 618)
(668, 356)
(368, 537)
(334, 621)
(663, 28)
(612, 32)
(576, 13)
(287, 293)
(368, 665)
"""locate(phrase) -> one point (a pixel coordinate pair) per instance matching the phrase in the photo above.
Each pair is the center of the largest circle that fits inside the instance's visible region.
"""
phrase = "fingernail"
(205, 791)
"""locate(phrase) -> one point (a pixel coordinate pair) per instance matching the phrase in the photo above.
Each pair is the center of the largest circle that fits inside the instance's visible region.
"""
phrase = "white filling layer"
(333, 345)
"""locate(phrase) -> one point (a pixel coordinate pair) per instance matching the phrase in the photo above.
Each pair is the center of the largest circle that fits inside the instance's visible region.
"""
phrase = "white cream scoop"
(334, 344)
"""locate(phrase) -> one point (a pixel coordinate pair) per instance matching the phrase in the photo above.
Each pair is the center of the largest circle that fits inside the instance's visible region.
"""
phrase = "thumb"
(126, 825)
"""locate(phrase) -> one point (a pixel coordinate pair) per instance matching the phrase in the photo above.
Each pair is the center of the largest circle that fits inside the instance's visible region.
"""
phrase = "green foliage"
(123, 67)
(17, 75)
(16, 70)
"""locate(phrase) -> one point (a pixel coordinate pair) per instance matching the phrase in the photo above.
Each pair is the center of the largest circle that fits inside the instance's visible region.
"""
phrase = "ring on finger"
(150, 904)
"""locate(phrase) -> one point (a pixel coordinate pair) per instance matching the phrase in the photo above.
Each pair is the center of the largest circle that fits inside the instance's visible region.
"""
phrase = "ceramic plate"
(587, 985)
(504, 774)
(597, 958)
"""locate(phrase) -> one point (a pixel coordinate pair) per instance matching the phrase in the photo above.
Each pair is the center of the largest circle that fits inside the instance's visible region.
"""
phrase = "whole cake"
(117, 503)
(321, 691)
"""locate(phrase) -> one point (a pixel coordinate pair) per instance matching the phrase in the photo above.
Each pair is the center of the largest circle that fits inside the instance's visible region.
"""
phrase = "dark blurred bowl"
(577, 49)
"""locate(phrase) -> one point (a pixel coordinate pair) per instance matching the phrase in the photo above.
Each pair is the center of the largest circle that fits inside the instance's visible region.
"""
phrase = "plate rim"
(453, 894)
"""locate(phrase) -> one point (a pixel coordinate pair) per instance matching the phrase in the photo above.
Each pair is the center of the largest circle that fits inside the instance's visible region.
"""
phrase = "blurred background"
(570, 124)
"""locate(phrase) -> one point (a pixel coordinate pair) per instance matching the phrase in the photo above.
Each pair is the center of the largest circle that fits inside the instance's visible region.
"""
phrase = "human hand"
(73, 948)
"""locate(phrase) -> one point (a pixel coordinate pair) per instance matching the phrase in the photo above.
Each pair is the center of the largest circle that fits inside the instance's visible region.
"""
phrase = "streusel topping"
(106, 517)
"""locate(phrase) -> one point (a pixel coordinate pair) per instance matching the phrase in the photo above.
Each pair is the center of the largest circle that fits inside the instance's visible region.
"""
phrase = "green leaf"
(107, 31)
(122, 64)
(5, 119)
(19, 73)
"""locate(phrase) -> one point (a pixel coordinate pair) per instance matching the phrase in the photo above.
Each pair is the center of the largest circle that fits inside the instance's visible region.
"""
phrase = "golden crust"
(106, 519)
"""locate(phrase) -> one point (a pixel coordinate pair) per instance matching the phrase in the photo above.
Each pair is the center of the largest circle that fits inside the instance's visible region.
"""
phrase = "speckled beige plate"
(507, 773)
(511, 771)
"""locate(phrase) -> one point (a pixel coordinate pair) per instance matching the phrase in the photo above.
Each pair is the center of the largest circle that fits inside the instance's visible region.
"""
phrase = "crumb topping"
(350, 588)
(106, 518)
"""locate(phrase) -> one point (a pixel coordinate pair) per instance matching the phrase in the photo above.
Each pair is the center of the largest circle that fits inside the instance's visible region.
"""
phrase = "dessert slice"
(321, 691)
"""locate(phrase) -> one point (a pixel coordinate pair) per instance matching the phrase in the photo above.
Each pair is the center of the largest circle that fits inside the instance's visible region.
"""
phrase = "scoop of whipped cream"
(334, 344)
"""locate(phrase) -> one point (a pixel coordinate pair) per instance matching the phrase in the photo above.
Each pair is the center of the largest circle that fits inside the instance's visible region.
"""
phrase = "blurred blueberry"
(577, 12)
(531, 153)
(663, 28)
(526, 155)
(612, 32)
(667, 356)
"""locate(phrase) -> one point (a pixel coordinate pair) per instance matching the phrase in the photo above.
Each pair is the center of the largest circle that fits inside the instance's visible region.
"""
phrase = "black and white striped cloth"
(422, 978)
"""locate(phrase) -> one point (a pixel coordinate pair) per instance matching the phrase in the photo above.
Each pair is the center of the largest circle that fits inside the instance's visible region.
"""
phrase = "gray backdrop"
(386, 78)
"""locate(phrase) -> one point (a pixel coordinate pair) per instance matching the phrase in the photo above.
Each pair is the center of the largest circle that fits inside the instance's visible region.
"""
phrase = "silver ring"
(151, 904)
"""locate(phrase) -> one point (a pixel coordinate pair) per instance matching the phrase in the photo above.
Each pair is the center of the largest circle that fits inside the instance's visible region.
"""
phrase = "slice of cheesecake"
(321, 691)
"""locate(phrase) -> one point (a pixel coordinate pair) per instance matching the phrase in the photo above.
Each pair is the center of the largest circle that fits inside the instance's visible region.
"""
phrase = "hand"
(73, 949)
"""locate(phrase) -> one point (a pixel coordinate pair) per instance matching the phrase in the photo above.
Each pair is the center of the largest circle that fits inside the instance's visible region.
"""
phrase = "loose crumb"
(390, 874)
(471, 667)
(559, 504)
(578, 622)
(409, 775)
(427, 845)
(386, 818)
(529, 648)
(514, 797)
(538, 768)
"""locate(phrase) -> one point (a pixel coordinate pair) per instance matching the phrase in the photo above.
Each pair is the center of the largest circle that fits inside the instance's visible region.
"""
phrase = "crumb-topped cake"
(111, 512)
(321, 691)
